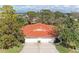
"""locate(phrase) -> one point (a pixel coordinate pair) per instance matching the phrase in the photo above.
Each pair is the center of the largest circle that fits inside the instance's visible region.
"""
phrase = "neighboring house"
(34, 32)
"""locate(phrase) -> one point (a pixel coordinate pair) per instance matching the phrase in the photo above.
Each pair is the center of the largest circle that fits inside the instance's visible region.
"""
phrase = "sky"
(61, 8)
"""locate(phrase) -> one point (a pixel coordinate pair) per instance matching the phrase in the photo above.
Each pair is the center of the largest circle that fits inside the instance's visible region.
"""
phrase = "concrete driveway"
(39, 48)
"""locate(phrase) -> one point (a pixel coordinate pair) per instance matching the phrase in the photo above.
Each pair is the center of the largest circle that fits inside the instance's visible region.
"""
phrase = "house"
(39, 32)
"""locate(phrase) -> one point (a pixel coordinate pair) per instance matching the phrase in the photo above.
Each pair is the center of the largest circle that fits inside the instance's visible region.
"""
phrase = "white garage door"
(35, 40)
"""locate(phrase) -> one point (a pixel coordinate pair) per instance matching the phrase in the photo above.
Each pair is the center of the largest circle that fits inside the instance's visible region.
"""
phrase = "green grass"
(62, 49)
(12, 50)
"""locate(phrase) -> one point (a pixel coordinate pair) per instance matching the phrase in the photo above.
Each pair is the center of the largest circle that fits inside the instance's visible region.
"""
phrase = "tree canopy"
(9, 26)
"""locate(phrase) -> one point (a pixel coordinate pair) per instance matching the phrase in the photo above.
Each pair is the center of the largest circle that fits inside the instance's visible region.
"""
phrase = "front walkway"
(39, 48)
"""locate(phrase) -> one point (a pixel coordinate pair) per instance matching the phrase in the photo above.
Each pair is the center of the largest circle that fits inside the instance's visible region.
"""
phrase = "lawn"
(62, 49)
(12, 50)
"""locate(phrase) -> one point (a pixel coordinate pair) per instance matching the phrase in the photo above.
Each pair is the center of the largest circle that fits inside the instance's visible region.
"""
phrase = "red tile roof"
(39, 30)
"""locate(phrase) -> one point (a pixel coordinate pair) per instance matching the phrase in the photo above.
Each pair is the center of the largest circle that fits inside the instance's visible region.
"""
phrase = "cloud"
(77, 6)
(62, 8)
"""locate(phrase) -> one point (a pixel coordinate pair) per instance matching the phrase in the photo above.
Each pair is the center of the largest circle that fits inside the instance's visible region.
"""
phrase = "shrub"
(8, 41)
(20, 38)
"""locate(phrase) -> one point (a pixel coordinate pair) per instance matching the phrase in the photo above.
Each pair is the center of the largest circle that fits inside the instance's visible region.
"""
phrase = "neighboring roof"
(39, 30)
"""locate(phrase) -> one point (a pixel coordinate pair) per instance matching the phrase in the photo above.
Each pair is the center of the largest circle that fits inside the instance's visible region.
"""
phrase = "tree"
(58, 14)
(7, 9)
(69, 34)
(46, 15)
(31, 15)
(9, 24)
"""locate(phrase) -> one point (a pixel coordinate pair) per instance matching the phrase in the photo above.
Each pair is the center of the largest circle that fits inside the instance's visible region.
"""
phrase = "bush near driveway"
(8, 41)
